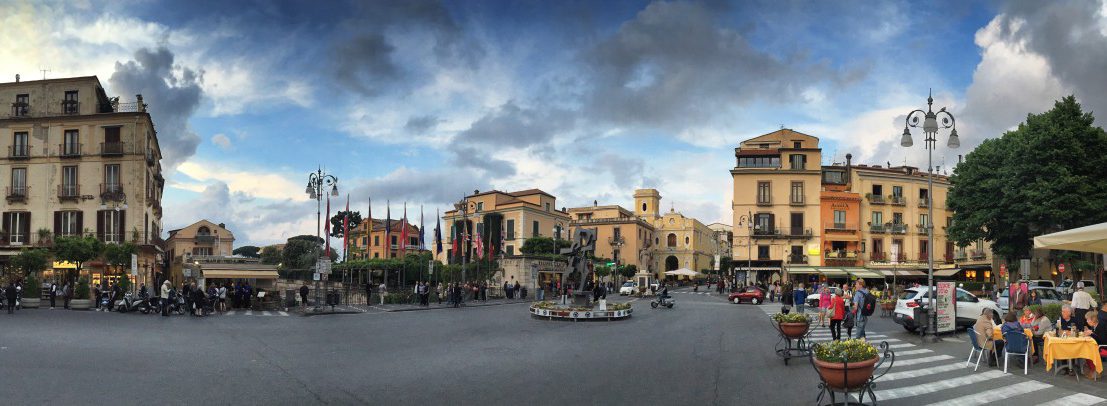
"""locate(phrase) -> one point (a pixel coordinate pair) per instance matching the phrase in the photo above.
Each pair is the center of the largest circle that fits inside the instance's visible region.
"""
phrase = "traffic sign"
(1061, 268)
(323, 266)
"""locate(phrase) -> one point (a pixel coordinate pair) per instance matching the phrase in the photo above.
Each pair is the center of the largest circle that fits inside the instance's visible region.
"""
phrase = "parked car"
(751, 294)
(969, 307)
(1067, 287)
(1046, 293)
(628, 288)
(813, 299)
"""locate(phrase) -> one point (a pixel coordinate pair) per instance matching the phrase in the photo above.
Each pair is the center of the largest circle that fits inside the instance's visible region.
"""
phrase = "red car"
(750, 294)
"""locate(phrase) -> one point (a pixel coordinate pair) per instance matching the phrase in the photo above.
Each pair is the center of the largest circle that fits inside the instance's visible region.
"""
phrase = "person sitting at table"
(1010, 325)
(1066, 321)
(1103, 314)
(1039, 327)
(1026, 318)
(985, 328)
(1097, 331)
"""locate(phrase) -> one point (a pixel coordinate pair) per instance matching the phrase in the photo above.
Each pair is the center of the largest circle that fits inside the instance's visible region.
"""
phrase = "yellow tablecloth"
(998, 335)
(1057, 348)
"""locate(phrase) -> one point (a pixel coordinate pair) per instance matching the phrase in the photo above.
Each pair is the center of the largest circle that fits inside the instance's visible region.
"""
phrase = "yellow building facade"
(198, 241)
(620, 234)
(679, 241)
(516, 216)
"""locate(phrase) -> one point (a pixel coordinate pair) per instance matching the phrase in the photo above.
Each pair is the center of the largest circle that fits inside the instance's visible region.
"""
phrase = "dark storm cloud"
(673, 65)
(442, 187)
(173, 93)
(421, 124)
(509, 126)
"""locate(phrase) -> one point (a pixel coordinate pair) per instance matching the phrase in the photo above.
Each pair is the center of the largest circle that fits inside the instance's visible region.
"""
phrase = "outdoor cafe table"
(998, 335)
(1065, 348)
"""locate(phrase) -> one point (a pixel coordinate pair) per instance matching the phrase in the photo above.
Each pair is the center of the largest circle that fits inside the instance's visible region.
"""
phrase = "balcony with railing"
(960, 256)
(69, 192)
(765, 232)
(70, 107)
(877, 228)
(205, 239)
(924, 202)
(921, 228)
(112, 191)
(925, 257)
(897, 200)
(835, 226)
(841, 258)
(797, 259)
(16, 193)
(617, 240)
(874, 199)
(111, 148)
(878, 257)
(978, 255)
(69, 150)
(897, 228)
(21, 109)
(19, 151)
(764, 201)
(799, 232)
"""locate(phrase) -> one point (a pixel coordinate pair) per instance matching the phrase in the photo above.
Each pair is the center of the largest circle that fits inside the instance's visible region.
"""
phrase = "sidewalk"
(435, 305)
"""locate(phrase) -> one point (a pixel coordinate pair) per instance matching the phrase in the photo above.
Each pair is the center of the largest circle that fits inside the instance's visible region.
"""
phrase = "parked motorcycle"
(663, 301)
(130, 303)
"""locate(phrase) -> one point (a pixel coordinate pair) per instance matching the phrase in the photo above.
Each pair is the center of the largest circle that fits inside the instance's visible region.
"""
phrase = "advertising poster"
(946, 306)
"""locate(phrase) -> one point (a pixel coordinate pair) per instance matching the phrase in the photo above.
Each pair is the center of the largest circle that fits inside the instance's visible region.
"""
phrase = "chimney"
(223, 226)
(16, 78)
(958, 159)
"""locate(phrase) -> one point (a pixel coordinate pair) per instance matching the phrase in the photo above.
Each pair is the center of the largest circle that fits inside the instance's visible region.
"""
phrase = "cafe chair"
(1017, 344)
(976, 350)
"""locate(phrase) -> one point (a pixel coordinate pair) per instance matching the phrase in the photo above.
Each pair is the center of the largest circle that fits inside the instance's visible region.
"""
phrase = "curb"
(450, 307)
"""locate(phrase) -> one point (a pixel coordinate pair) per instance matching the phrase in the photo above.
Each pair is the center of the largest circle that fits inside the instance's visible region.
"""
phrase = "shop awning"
(835, 272)
(757, 268)
(946, 272)
(238, 274)
(803, 270)
(863, 273)
(888, 273)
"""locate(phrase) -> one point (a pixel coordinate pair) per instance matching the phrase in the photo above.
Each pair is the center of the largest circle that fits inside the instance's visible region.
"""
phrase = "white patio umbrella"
(1091, 238)
(682, 272)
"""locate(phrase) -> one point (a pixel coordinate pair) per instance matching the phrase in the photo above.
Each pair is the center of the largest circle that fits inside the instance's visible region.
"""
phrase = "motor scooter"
(130, 304)
(663, 301)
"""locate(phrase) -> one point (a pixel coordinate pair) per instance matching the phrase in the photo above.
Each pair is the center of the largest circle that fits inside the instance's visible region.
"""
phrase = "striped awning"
(803, 270)
(863, 273)
(946, 272)
(833, 272)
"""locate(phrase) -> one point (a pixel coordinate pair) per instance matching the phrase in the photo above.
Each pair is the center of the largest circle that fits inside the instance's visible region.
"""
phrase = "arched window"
(203, 230)
(671, 240)
(643, 206)
(686, 240)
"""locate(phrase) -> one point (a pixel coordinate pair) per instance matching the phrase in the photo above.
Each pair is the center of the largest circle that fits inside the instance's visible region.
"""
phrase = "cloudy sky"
(423, 101)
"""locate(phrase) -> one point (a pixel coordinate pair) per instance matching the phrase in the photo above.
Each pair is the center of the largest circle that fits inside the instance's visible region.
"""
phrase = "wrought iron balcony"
(17, 193)
(842, 262)
(69, 192)
(69, 150)
(924, 202)
(874, 199)
(835, 226)
(765, 232)
(70, 107)
(799, 232)
(978, 255)
(618, 240)
(19, 151)
(878, 228)
(797, 259)
(204, 239)
(111, 148)
(897, 228)
(921, 228)
(897, 200)
(21, 109)
(878, 257)
(112, 192)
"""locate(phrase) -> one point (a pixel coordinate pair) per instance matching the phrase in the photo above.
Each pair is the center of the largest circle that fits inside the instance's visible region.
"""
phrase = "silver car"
(1046, 294)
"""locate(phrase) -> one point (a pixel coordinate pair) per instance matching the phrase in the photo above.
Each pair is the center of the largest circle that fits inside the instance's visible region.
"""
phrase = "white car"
(813, 299)
(628, 288)
(969, 307)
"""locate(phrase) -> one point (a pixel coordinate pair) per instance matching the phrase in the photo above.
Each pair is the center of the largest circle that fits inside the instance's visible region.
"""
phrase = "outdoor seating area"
(1075, 354)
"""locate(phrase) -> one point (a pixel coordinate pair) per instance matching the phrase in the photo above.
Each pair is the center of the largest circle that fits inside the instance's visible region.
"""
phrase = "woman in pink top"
(824, 305)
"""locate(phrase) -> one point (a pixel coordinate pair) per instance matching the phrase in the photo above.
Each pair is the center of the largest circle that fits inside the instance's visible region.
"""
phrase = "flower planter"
(888, 306)
(794, 330)
(30, 303)
(839, 376)
(80, 304)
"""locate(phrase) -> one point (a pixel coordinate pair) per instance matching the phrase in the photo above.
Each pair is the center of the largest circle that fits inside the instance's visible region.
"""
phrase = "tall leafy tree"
(336, 222)
(77, 250)
(1049, 174)
(271, 255)
(31, 261)
(248, 251)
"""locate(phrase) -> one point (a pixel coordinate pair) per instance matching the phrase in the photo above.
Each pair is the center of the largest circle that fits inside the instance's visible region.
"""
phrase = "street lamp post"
(318, 183)
(462, 206)
(930, 127)
(748, 221)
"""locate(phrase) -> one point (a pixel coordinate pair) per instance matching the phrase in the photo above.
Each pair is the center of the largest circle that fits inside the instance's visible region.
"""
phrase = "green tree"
(336, 222)
(1049, 174)
(119, 256)
(543, 245)
(31, 261)
(628, 271)
(77, 250)
(248, 251)
(300, 253)
(271, 255)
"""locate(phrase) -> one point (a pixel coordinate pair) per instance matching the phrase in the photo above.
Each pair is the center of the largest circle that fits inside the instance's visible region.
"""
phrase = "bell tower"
(647, 203)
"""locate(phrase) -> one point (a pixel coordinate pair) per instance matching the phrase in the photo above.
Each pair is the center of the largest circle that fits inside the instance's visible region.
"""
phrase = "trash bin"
(922, 319)
(290, 298)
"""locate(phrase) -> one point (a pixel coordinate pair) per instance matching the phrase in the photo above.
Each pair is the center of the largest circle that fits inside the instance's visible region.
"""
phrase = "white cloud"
(268, 184)
(222, 141)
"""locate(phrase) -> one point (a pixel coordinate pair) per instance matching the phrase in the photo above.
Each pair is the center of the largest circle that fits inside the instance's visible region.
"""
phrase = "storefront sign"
(134, 264)
(946, 304)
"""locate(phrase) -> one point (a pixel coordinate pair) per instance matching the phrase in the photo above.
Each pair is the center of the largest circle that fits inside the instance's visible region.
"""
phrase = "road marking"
(1077, 399)
(922, 360)
(265, 313)
(249, 312)
(912, 352)
(891, 376)
(916, 390)
(995, 395)
(904, 345)
(231, 313)
(282, 313)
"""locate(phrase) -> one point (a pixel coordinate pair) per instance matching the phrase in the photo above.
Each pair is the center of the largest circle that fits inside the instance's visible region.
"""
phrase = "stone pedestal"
(581, 298)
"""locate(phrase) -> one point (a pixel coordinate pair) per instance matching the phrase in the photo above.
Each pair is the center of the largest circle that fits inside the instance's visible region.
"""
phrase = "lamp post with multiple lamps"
(746, 220)
(318, 184)
(930, 126)
(114, 199)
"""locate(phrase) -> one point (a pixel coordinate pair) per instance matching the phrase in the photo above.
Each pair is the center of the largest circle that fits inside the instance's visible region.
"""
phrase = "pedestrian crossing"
(921, 376)
(695, 293)
(262, 313)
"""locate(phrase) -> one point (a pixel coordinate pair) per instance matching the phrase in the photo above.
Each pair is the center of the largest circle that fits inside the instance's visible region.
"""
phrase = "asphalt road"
(704, 351)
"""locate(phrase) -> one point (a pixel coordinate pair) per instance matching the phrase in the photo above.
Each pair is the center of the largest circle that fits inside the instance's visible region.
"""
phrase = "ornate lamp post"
(746, 220)
(318, 183)
(930, 127)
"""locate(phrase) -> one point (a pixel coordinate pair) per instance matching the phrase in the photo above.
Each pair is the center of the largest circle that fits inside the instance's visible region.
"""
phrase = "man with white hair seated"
(1081, 303)
(1066, 322)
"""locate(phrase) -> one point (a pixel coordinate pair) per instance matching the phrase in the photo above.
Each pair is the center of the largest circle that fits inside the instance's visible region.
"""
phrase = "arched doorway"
(671, 263)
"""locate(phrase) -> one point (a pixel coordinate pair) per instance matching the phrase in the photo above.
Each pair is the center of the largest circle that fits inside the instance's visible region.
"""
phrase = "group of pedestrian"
(514, 291)
(65, 291)
(422, 290)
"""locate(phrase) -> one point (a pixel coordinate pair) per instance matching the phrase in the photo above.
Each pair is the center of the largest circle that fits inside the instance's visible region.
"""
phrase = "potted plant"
(845, 365)
(32, 289)
(80, 296)
(792, 325)
(888, 304)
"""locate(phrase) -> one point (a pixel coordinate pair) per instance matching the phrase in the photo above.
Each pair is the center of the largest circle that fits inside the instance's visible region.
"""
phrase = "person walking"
(9, 294)
(799, 296)
(222, 293)
(382, 291)
(67, 294)
(859, 300)
(165, 287)
(824, 304)
(517, 290)
(53, 295)
(1081, 303)
(304, 295)
(837, 310)
(368, 291)
(96, 296)
(507, 290)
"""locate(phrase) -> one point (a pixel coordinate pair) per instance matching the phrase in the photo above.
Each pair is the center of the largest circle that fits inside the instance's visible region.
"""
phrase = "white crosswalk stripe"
(1079, 399)
(265, 313)
(922, 389)
(262, 313)
(892, 376)
(992, 396)
(912, 352)
(923, 360)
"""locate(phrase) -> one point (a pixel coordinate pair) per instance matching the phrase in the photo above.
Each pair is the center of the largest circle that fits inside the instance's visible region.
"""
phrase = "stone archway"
(671, 263)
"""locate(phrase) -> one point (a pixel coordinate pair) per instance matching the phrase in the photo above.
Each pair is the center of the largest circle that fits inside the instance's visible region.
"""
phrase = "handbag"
(848, 323)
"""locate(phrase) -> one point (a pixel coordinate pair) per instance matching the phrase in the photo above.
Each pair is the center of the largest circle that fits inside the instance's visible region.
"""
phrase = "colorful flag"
(437, 233)
(422, 246)
(346, 228)
(387, 228)
(403, 232)
(456, 237)
(328, 227)
(479, 246)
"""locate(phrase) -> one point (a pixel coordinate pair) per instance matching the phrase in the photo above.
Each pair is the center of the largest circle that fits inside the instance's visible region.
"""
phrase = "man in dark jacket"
(304, 293)
(9, 294)
(368, 291)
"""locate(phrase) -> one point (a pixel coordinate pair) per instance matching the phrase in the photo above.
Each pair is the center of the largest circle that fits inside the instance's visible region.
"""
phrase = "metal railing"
(898, 200)
(16, 193)
(924, 201)
(112, 191)
(111, 148)
(875, 199)
(204, 239)
(19, 151)
(69, 149)
(70, 107)
(797, 259)
(840, 226)
(800, 232)
(921, 228)
(877, 228)
(20, 109)
(69, 191)
(897, 228)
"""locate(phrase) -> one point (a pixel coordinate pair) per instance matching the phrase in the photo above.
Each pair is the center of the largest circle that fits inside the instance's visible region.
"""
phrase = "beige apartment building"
(620, 234)
(76, 162)
(371, 239)
(516, 216)
(777, 185)
(196, 242)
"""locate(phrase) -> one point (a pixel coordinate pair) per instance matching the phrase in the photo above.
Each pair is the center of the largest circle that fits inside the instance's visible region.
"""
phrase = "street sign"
(717, 260)
(946, 306)
(134, 264)
(1061, 268)
(315, 276)
(323, 266)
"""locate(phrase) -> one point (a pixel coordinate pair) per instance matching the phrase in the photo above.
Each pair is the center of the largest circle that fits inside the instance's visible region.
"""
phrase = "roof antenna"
(44, 70)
